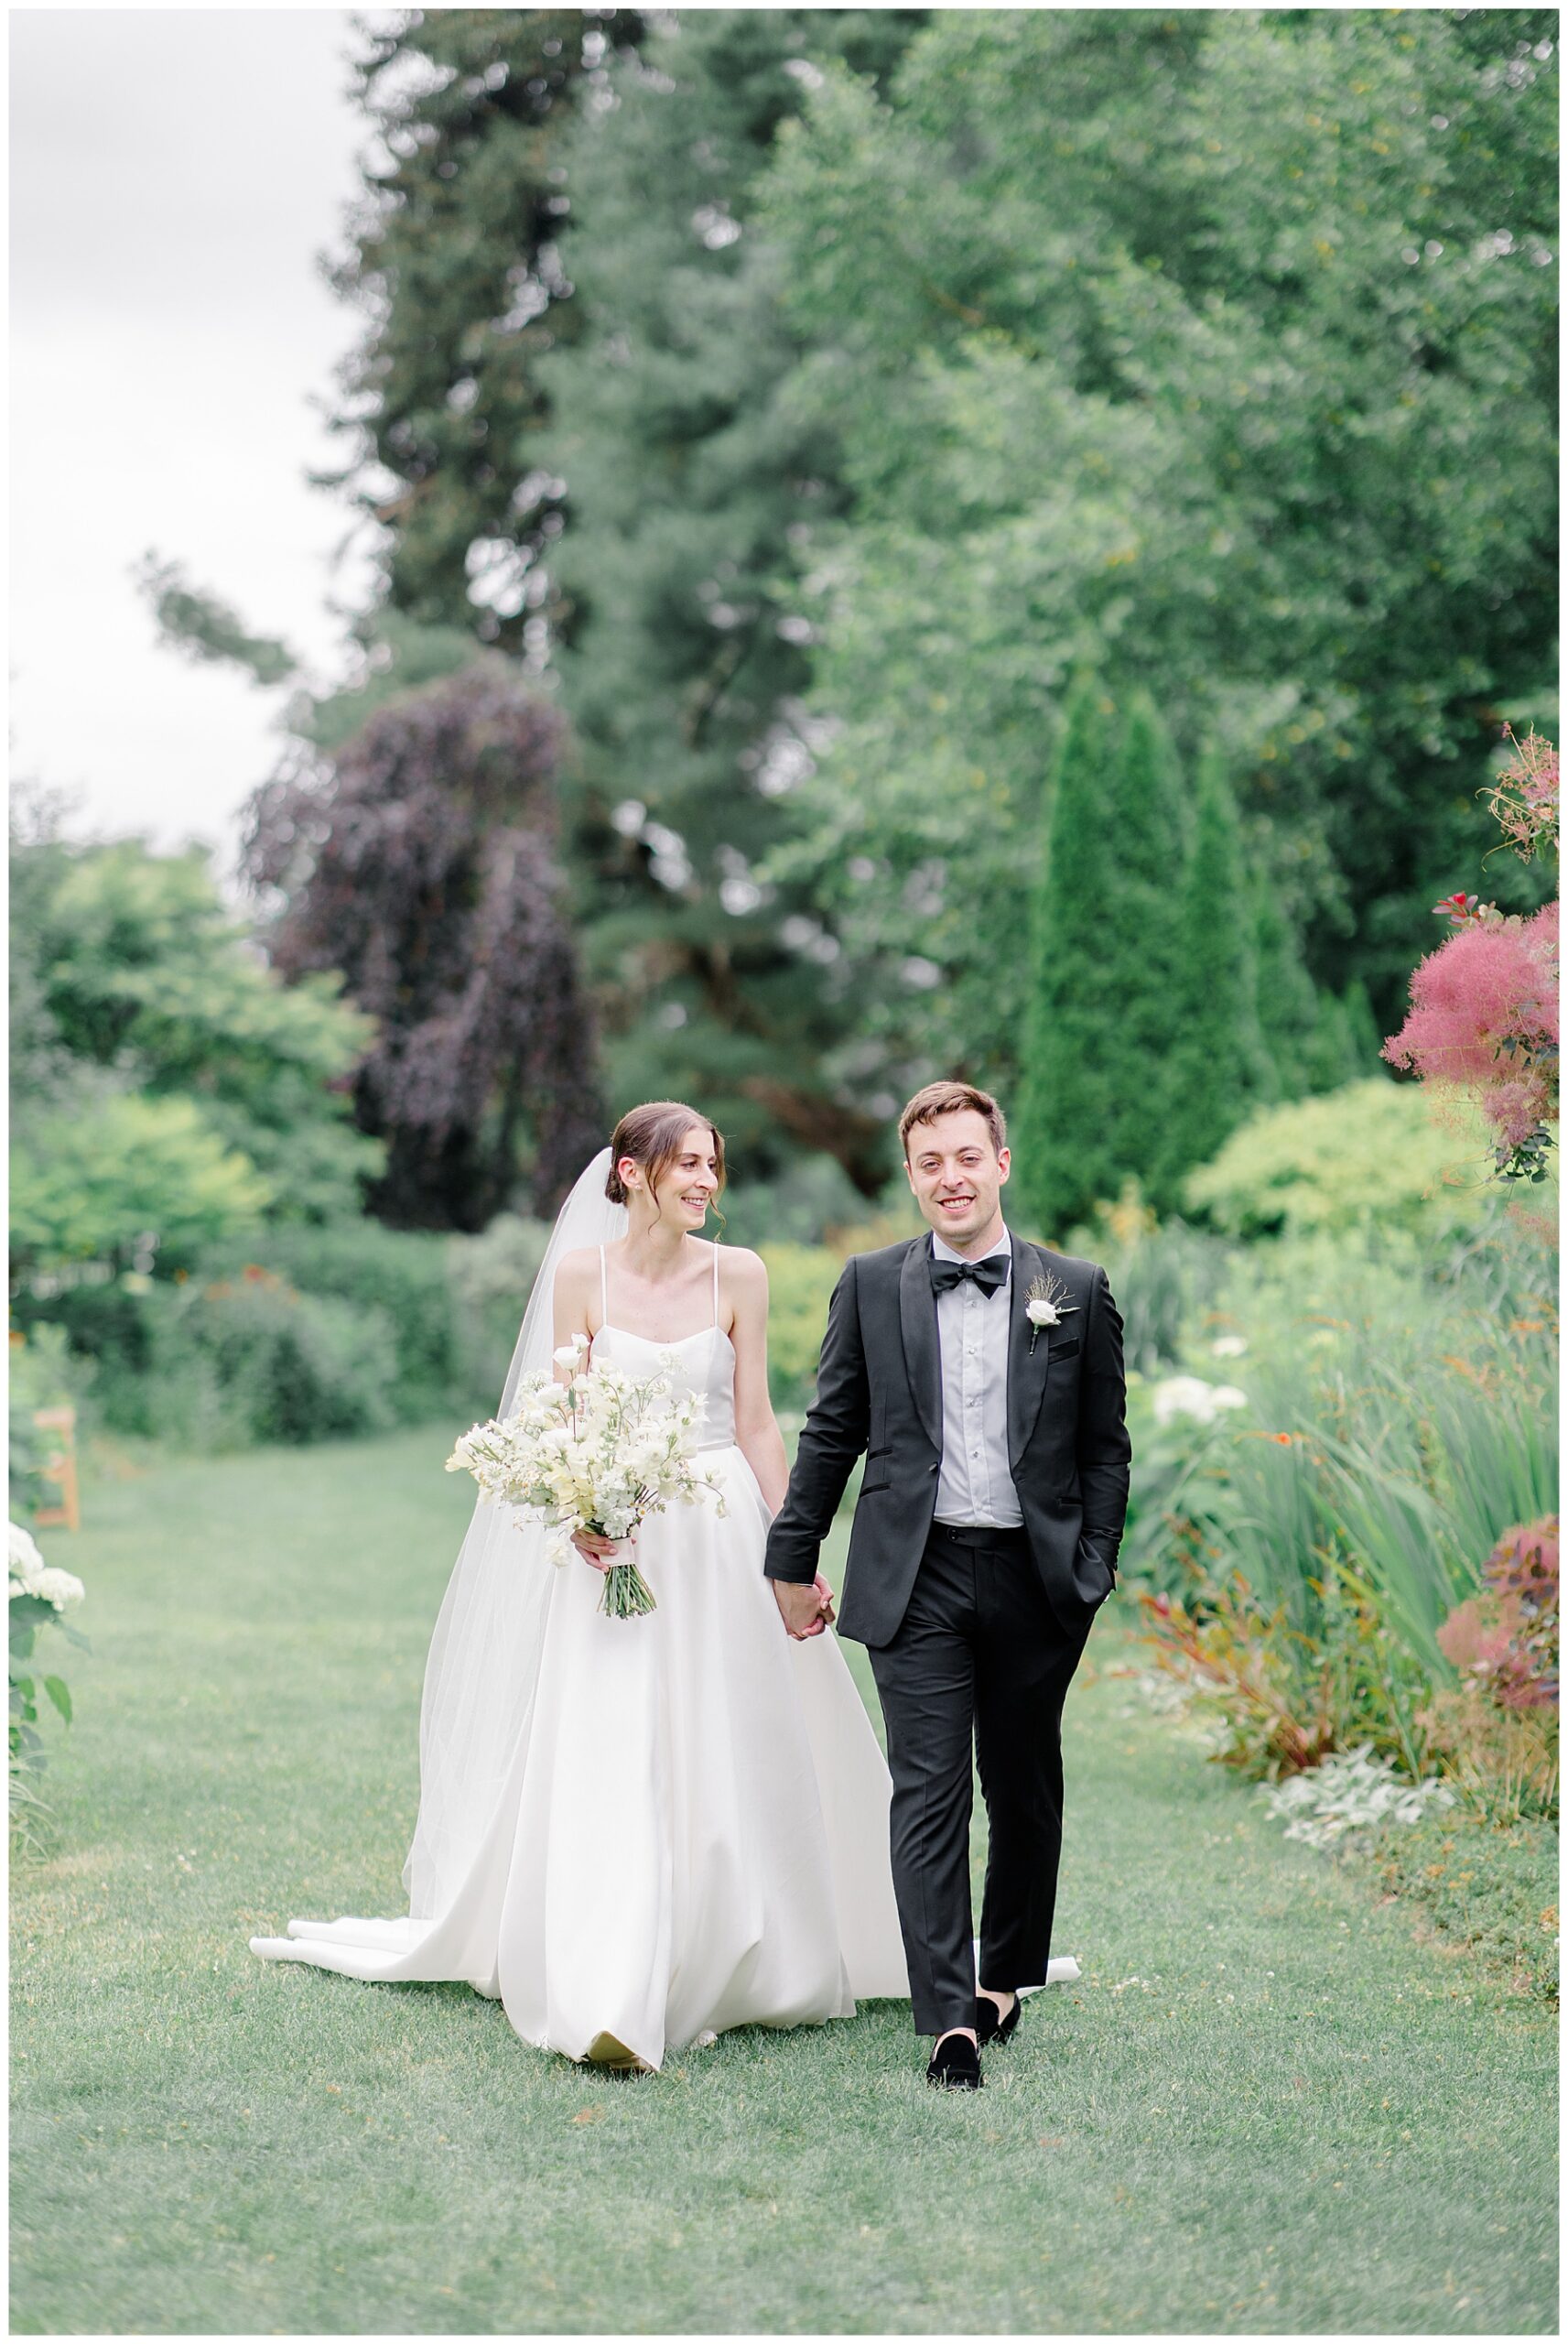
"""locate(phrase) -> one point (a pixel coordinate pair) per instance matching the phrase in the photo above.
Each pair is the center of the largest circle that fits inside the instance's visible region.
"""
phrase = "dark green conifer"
(1213, 1080)
(1133, 972)
(1287, 999)
(1065, 1123)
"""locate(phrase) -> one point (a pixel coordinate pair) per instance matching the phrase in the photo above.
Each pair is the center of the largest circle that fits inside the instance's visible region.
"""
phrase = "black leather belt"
(981, 1534)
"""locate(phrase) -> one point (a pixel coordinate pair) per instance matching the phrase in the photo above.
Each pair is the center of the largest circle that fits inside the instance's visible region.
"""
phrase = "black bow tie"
(987, 1275)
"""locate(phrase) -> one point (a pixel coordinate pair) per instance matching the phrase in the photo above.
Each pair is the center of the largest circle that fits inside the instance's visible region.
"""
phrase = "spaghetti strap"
(716, 1286)
(604, 1289)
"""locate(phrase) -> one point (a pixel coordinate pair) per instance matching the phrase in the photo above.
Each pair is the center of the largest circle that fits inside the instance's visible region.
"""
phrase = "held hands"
(806, 1611)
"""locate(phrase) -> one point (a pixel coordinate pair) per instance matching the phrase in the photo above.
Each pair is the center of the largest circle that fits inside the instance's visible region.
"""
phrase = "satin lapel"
(921, 1352)
(1026, 1369)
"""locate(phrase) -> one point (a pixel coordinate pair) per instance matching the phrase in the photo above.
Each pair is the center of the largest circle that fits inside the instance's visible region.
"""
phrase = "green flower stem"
(627, 1594)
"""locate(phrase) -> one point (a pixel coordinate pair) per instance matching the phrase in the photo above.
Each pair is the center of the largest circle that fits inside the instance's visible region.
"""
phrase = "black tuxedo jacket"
(879, 1392)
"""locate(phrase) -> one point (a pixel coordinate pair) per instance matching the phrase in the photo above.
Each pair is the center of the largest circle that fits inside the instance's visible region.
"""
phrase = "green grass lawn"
(1267, 2106)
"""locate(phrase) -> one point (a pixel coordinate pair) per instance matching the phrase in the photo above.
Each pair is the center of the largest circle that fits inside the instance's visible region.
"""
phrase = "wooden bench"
(60, 1466)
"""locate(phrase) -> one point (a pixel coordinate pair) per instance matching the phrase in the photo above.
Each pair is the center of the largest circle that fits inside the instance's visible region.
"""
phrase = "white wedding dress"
(692, 1829)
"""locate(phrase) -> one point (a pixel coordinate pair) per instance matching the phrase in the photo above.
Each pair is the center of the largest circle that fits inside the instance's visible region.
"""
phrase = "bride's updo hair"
(651, 1134)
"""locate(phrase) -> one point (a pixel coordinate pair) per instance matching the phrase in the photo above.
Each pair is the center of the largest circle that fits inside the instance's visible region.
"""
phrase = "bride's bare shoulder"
(575, 1267)
(742, 1272)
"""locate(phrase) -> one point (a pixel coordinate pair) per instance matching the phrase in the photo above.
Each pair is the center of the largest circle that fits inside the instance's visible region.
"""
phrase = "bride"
(637, 1833)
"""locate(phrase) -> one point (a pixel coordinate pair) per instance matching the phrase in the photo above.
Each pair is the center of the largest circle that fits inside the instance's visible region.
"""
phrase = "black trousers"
(979, 1668)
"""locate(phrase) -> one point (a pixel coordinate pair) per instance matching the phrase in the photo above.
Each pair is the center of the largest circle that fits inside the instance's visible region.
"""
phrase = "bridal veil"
(482, 1672)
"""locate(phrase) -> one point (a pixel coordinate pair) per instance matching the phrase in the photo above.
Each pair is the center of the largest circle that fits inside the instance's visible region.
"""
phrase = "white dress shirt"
(975, 1488)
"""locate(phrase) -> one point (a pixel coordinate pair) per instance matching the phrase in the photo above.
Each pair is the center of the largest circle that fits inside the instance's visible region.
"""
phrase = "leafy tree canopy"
(148, 1031)
(1214, 351)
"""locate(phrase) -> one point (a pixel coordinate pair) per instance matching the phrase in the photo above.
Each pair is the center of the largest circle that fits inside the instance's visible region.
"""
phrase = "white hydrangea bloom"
(59, 1587)
(26, 1564)
(1189, 1396)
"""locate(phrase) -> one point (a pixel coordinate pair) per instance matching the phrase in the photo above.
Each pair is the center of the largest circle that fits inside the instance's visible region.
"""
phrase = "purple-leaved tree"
(417, 858)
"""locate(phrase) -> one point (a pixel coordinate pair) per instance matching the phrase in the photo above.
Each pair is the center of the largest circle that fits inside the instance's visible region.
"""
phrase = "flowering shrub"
(1497, 1732)
(1297, 1561)
(1485, 1012)
(1507, 1636)
(39, 1597)
(1484, 1006)
(1192, 1396)
(1280, 1701)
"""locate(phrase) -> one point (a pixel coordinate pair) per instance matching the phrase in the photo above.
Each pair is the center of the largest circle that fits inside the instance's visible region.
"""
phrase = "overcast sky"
(174, 176)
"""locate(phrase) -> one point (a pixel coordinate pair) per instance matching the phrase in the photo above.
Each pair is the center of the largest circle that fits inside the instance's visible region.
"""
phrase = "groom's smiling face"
(958, 1177)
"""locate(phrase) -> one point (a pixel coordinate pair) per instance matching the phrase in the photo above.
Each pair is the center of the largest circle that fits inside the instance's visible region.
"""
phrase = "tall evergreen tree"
(690, 484)
(1286, 997)
(454, 252)
(1148, 818)
(1065, 1125)
(1212, 1075)
(1345, 1043)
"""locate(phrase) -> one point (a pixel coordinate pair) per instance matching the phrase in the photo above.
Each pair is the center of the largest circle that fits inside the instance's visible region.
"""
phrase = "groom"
(981, 1377)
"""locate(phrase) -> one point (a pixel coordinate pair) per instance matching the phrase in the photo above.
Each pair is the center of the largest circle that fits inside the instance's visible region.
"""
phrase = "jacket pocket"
(1062, 1350)
(870, 1488)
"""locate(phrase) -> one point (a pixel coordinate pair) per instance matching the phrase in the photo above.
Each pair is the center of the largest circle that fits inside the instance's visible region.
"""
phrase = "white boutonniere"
(1045, 1305)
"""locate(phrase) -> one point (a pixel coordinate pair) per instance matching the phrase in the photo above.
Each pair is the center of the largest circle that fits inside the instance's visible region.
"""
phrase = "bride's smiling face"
(683, 1190)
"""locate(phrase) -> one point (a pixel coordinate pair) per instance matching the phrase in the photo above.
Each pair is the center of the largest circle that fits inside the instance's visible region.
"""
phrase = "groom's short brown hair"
(950, 1099)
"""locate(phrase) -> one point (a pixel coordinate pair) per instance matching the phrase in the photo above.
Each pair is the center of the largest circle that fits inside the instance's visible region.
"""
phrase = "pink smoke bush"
(1484, 1006)
(1507, 1635)
(1485, 1011)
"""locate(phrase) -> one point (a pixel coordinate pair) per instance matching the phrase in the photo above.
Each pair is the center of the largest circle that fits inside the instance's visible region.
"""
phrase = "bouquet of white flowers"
(600, 1452)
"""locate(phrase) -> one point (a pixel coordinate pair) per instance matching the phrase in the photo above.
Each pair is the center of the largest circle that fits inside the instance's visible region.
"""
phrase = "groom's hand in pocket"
(806, 1611)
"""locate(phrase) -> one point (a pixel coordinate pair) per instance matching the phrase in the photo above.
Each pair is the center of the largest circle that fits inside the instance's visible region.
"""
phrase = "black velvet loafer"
(954, 2065)
(989, 2027)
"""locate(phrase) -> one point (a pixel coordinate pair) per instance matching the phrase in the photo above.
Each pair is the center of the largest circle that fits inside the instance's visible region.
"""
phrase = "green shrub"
(402, 1273)
(1370, 1154)
(800, 1280)
(489, 1278)
(43, 1374)
(101, 1319)
(809, 1197)
(232, 1363)
(1161, 1283)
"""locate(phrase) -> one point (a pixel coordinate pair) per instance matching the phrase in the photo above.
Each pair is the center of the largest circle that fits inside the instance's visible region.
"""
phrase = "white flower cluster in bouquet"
(600, 1452)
